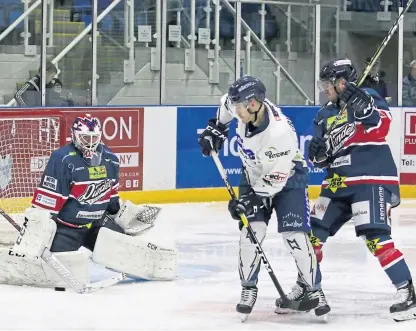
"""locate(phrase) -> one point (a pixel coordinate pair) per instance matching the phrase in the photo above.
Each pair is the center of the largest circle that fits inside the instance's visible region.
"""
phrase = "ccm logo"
(151, 246)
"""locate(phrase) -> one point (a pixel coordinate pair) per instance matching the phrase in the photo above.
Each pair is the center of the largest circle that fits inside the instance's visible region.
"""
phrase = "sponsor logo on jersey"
(94, 215)
(373, 245)
(341, 161)
(246, 153)
(6, 165)
(275, 177)
(340, 136)
(95, 191)
(343, 119)
(50, 183)
(273, 154)
(336, 183)
(97, 172)
(46, 201)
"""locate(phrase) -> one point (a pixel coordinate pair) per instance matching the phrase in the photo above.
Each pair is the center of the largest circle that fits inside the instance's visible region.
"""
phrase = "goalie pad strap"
(135, 256)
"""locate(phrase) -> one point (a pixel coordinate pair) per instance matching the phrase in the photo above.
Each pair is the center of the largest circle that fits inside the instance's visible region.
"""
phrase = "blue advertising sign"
(196, 171)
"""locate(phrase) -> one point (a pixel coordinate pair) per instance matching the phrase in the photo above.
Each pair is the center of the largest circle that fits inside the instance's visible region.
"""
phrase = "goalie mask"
(86, 136)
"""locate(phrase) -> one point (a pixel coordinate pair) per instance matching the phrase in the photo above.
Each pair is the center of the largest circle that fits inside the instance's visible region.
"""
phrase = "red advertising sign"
(28, 137)
(123, 134)
(408, 155)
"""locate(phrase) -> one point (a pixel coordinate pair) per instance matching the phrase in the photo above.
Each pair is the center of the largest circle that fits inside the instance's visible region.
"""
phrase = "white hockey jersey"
(270, 153)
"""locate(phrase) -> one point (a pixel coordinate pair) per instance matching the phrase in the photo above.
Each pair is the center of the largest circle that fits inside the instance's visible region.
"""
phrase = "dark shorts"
(71, 239)
(291, 206)
(369, 206)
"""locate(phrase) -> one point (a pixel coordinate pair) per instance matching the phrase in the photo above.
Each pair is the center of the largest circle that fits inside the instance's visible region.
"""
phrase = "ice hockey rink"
(204, 295)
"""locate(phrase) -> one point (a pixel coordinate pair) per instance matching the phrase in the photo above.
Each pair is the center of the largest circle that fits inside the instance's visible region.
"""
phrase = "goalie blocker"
(117, 244)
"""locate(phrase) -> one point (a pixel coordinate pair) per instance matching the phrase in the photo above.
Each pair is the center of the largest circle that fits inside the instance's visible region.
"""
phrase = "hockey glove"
(248, 204)
(317, 150)
(357, 100)
(213, 137)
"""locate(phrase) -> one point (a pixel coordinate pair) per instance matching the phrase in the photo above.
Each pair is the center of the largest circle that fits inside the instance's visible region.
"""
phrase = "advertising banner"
(123, 134)
(408, 148)
(194, 170)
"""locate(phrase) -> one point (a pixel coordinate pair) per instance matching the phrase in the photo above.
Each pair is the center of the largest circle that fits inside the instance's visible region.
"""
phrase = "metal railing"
(188, 43)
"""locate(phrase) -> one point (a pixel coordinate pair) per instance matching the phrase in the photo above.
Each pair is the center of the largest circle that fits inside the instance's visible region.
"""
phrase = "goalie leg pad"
(300, 247)
(16, 269)
(249, 259)
(135, 256)
(36, 234)
(136, 219)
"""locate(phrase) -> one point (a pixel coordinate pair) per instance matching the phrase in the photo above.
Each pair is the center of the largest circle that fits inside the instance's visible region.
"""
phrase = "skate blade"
(324, 318)
(243, 317)
(406, 315)
(286, 311)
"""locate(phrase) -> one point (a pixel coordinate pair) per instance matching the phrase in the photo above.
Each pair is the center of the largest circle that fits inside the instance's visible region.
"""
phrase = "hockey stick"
(373, 60)
(304, 305)
(62, 271)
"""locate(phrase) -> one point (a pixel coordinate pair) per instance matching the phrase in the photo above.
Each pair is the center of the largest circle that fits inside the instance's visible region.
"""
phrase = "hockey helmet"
(246, 88)
(330, 72)
(86, 135)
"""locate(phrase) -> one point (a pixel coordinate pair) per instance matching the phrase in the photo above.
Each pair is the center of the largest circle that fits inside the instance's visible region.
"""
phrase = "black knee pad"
(373, 232)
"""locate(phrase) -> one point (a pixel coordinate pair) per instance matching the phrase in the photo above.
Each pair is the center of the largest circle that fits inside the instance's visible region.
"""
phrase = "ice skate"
(248, 299)
(298, 291)
(405, 306)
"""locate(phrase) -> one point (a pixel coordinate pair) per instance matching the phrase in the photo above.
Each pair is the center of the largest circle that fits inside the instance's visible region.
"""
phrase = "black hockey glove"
(317, 150)
(357, 100)
(213, 137)
(248, 204)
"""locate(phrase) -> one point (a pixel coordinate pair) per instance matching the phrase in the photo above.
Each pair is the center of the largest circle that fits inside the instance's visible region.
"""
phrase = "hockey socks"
(390, 258)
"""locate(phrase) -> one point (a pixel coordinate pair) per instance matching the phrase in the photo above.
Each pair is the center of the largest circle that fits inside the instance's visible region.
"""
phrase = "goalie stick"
(373, 60)
(304, 305)
(63, 272)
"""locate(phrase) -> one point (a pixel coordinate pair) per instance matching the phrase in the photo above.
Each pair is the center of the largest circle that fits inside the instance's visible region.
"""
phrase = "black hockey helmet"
(246, 88)
(341, 68)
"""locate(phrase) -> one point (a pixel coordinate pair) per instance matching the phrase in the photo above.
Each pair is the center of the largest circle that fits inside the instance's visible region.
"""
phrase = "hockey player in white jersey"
(274, 177)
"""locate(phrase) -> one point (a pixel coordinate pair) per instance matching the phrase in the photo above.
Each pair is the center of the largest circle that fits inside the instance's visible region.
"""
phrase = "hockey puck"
(60, 289)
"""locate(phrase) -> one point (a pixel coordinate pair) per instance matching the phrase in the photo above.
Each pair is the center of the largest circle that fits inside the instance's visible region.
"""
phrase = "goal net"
(27, 138)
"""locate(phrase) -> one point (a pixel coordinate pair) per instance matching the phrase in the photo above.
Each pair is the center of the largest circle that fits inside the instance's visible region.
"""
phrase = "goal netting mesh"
(26, 141)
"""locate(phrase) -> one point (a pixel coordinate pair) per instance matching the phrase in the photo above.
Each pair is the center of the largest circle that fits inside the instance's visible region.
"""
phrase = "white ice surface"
(207, 287)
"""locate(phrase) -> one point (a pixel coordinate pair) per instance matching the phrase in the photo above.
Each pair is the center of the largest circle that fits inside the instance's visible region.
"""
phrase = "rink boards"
(160, 159)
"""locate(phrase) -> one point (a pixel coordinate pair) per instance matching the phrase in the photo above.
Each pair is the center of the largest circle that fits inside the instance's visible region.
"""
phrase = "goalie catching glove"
(136, 219)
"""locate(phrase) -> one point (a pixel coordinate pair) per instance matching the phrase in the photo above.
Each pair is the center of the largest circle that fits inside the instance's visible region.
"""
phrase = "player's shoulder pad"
(378, 100)
(328, 110)
(109, 155)
(64, 153)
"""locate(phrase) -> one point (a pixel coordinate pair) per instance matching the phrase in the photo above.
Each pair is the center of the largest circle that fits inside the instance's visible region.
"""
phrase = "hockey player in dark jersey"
(77, 205)
(361, 181)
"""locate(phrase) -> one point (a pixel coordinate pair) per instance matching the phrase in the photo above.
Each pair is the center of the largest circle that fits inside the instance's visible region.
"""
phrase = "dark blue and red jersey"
(362, 155)
(74, 191)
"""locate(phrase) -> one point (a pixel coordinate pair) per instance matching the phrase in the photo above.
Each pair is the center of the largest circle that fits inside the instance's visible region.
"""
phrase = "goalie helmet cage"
(27, 139)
